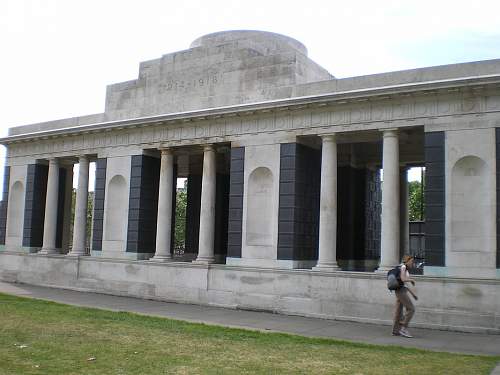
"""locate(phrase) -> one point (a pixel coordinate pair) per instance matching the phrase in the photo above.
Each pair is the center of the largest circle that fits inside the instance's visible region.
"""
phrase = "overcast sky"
(57, 56)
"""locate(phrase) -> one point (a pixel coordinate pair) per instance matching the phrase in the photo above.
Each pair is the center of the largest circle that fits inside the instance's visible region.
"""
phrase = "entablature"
(409, 105)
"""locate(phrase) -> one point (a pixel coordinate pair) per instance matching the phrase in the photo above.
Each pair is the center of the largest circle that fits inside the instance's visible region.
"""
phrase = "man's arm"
(405, 276)
(412, 293)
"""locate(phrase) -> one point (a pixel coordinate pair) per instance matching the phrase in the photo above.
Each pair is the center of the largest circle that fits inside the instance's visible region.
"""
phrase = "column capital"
(392, 132)
(208, 147)
(83, 157)
(332, 137)
(166, 150)
(53, 160)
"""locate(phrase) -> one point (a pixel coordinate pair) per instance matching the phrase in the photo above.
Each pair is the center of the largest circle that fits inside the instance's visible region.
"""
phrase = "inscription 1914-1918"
(189, 84)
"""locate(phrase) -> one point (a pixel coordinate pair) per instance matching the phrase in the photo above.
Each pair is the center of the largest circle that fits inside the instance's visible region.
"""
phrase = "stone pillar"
(51, 200)
(389, 247)
(404, 212)
(327, 257)
(207, 209)
(165, 195)
(80, 223)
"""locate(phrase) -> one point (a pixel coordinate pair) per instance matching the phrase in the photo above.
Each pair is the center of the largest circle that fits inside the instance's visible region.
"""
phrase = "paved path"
(368, 333)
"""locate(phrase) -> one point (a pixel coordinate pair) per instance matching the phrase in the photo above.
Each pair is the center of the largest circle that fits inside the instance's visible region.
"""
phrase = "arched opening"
(468, 205)
(116, 210)
(260, 202)
(15, 210)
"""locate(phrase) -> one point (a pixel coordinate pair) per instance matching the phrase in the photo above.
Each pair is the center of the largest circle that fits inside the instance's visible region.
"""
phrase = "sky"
(57, 56)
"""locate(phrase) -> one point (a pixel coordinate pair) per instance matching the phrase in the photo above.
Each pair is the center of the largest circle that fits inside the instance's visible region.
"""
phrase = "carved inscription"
(183, 85)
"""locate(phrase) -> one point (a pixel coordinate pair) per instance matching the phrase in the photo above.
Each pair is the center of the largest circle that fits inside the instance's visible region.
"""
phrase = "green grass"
(60, 339)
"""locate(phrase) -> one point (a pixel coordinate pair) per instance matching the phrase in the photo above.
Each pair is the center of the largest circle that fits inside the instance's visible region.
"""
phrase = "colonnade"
(390, 221)
(391, 216)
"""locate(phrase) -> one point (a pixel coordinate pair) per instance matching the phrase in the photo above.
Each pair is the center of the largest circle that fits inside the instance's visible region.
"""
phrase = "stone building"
(286, 210)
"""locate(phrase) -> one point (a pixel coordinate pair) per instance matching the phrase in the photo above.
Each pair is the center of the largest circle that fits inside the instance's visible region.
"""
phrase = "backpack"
(394, 278)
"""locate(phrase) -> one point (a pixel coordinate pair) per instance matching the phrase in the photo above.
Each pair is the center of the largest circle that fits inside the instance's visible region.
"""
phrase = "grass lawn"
(39, 337)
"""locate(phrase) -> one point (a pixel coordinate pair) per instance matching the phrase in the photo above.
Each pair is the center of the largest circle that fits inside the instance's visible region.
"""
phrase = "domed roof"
(271, 40)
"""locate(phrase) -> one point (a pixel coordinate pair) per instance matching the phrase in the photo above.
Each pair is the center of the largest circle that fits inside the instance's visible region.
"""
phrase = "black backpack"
(394, 278)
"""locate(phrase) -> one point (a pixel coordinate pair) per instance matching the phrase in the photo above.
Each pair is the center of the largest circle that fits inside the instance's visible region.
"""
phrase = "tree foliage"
(180, 219)
(416, 203)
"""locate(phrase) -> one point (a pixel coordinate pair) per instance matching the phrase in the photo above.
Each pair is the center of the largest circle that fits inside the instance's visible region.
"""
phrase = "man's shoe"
(403, 332)
(396, 334)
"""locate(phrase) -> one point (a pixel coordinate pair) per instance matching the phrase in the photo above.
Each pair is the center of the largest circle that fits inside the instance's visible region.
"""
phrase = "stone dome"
(272, 41)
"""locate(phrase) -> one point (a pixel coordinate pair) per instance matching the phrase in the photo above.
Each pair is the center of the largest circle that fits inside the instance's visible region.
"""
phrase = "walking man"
(401, 321)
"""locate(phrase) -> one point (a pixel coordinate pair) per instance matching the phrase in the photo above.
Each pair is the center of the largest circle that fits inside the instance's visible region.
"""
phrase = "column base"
(384, 269)
(48, 252)
(75, 254)
(161, 258)
(326, 267)
(204, 260)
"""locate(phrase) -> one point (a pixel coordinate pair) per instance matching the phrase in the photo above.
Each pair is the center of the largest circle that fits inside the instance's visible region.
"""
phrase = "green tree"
(416, 203)
(180, 220)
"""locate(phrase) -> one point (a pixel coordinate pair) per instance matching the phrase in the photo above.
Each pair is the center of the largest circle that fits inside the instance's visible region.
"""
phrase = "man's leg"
(398, 312)
(405, 300)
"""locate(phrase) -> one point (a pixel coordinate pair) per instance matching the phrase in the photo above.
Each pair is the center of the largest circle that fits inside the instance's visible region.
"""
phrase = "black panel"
(351, 195)
(497, 136)
(221, 213)
(34, 208)
(60, 206)
(298, 222)
(99, 192)
(143, 204)
(236, 186)
(192, 229)
(4, 204)
(434, 199)
(373, 212)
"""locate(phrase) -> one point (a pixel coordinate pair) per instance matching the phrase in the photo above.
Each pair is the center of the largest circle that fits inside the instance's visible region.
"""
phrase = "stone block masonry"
(294, 179)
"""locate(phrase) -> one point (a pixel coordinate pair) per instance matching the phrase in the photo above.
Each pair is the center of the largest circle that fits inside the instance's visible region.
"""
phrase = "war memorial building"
(287, 208)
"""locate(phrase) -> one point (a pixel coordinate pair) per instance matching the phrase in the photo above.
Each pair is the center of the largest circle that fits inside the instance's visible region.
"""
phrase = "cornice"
(438, 87)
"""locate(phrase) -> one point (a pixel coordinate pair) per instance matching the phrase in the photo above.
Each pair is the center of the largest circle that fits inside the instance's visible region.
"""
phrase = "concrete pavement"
(457, 342)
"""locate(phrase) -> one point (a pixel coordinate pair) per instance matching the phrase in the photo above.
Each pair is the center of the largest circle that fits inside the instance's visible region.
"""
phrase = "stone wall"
(218, 70)
(470, 305)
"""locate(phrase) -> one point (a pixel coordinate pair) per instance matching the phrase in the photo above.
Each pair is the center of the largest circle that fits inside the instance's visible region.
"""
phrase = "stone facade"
(284, 190)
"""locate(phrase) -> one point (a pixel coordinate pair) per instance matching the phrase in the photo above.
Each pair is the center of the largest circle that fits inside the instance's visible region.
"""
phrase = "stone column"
(404, 212)
(164, 222)
(80, 223)
(327, 258)
(207, 209)
(389, 247)
(50, 221)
